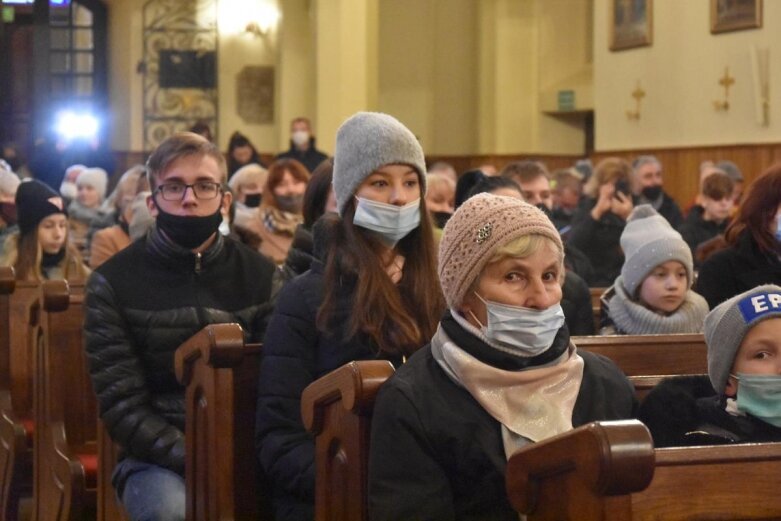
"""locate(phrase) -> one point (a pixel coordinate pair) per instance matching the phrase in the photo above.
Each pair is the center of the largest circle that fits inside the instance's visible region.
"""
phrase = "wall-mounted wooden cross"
(725, 81)
(638, 94)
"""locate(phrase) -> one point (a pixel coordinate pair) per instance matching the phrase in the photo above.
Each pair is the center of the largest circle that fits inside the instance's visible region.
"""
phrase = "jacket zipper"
(197, 262)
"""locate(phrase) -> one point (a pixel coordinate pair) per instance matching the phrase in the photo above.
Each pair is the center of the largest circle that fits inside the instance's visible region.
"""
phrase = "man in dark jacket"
(148, 299)
(647, 189)
(302, 145)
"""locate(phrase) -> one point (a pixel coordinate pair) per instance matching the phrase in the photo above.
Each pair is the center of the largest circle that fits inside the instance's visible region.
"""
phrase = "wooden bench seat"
(220, 373)
(610, 471)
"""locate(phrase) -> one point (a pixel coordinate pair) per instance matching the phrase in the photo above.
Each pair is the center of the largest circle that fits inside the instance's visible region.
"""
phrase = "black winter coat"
(140, 305)
(310, 158)
(576, 303)
(436, 454)
(295, 354)
(669, 209)
(599, 241)
(737, 269)
(686, 411)
(695, 230)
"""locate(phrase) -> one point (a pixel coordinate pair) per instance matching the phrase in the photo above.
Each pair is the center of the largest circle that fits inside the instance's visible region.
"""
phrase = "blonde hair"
(526, 246)
(608, 170)
(439, 184)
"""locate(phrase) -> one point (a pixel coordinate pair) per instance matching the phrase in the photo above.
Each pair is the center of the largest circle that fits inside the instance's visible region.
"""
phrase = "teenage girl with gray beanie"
(499, 373)
(653, 293)
(372, 292)
(40, 250)
(740, 399)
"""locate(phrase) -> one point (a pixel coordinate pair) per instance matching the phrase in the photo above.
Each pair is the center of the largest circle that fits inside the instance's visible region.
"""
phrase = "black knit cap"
(35, 201)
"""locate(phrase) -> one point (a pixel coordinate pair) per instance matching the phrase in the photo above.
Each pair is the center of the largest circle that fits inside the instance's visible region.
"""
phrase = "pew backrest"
(337, 410)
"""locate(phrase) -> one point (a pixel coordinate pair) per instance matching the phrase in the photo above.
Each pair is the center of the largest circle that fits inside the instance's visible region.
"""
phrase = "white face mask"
(392, 222)
(300, 137)
(527, 330)
(69, 190)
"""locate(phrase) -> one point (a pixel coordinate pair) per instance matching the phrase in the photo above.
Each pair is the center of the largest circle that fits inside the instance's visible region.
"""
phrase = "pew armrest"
(356, 384)
(219, 345)
(55, 295)
(609, 458)
(7, 280)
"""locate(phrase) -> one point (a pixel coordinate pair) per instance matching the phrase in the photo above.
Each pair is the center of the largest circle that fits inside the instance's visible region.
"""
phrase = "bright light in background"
(234, 16)
(71, 125)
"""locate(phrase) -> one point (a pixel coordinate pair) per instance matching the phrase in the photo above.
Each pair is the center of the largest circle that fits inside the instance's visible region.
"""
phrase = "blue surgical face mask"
(760, 396)
(529, 331)
(391, 222)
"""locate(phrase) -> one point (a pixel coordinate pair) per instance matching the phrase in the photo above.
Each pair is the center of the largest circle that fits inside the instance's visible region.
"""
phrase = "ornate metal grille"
(184, 34)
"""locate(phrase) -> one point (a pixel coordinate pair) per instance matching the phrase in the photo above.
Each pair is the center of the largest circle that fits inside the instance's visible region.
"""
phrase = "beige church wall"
(679, 73)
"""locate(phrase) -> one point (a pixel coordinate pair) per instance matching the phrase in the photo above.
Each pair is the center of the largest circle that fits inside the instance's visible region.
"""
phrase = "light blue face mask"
(391, 222)
(529, 331)
(760, 396)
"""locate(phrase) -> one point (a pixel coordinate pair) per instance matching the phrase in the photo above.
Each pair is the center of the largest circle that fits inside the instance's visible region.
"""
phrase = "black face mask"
(253, 200)
(544, 209)
(652, 193)
(8, 213)
(290, 203)
(441, 218)
(188, 231)
(50, 260)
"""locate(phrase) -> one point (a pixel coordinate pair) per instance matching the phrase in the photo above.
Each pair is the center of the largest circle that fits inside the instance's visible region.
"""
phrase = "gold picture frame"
(735, 15)
(631, 24)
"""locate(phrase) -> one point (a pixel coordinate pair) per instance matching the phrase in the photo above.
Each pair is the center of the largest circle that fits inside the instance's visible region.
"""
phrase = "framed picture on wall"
(631, 24)
(735, 15)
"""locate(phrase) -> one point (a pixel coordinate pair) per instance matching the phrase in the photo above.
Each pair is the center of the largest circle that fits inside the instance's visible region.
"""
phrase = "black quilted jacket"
(140, 306)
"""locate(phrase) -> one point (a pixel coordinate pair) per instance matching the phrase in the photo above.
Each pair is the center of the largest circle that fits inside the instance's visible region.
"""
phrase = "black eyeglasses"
(201, 189)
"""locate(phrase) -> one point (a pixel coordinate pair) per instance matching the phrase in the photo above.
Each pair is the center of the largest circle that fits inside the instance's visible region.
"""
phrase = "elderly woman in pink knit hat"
(499, 373)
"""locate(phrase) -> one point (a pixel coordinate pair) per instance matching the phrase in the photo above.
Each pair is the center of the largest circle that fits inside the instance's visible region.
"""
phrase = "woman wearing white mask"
(372, 292)
(499, 373)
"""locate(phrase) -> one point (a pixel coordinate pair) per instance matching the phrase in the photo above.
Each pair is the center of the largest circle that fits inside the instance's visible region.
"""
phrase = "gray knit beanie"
(478, 228)
(648, 240)
(368, 141)
(729, 322)
(96, 178)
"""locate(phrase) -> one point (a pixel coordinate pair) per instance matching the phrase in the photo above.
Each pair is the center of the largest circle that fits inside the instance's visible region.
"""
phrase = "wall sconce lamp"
(267, 18)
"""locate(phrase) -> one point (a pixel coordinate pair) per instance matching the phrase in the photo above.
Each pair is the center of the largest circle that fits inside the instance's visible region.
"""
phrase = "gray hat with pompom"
(367, 141)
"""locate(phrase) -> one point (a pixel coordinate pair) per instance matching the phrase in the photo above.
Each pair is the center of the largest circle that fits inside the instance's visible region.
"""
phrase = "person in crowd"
(40, 249)
(600, 219)
(754, 238)
(247, 185)
(15, 160)
(534, 180)
(499, 373)
(47, 159)
(445, 169)
(710, 217)
(738, 402)
(143, 302)
(465, 183)
(567, 187)
(372, 293)
(108, 240)
(241, 152)
(653, 293)
(440, 199)
(9, 183)
(576, 297)
(202, 128)
(68, 189)
(86, 207)
(488, 169)
(319, 199)
(270, 227)
(734, 173)
(302, 145)
(647, 188)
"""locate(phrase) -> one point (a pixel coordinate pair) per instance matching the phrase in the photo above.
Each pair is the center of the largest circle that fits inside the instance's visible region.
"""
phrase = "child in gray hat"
(744, 367)
(653, 293)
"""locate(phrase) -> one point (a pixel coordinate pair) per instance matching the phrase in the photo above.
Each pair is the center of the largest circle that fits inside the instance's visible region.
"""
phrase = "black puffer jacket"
(599, 241)
(140, 306)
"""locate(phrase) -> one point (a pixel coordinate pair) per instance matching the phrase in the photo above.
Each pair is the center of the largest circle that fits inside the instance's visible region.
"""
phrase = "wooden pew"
(65, 410)
(337, 410)
(18, 320)
(650, 354)
(596, 305)
(610, 471)
(220, 373)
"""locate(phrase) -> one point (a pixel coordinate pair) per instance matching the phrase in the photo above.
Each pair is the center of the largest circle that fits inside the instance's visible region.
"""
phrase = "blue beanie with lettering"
(729, 322)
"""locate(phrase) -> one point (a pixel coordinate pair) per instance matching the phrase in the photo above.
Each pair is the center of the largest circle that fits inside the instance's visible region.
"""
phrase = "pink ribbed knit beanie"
(479, 227)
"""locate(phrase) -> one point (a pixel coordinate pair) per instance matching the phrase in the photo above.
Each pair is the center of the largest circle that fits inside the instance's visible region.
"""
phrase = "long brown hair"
(27, 264)
(398, 318)
(757, 211)
(275, 174)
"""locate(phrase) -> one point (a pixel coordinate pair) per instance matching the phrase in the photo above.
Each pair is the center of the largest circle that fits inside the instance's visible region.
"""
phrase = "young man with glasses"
(148, 299)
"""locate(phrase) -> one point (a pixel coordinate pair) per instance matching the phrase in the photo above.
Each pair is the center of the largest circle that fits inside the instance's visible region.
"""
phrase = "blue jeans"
(149, 492)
